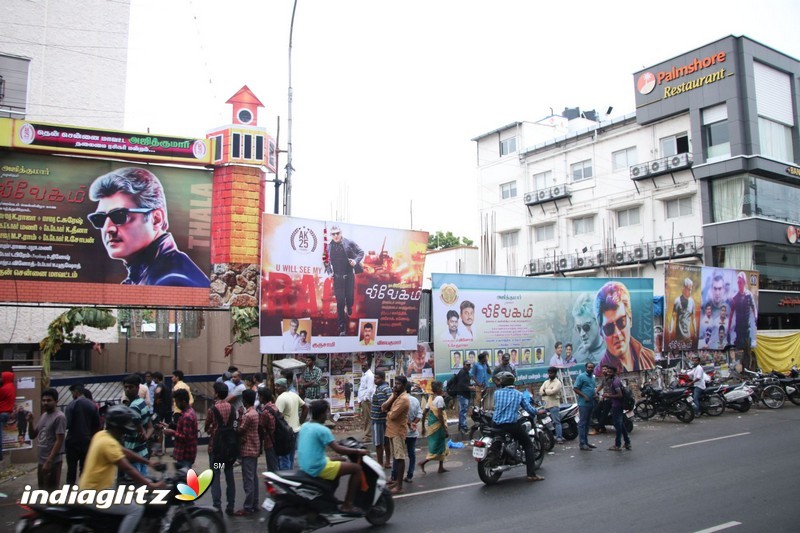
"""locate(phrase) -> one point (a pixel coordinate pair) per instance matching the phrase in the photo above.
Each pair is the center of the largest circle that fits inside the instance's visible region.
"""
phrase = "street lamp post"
(287, 188)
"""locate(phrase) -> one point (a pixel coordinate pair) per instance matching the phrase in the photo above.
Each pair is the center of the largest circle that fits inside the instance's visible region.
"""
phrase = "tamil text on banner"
(521, 319)
(332, 287)
(709, 307)
(94, 221)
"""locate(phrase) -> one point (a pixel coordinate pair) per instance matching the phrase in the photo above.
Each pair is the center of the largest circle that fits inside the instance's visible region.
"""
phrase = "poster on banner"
(341, 363)
(16, 433)
(357, 288)
(709, 308)
(341, 398)
(66, 220)
(523, 318)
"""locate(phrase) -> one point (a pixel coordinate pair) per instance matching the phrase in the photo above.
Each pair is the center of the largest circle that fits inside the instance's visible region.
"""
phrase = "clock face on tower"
(244, 116)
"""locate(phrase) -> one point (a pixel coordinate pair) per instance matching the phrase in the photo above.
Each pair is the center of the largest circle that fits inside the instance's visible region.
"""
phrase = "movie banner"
(51, 228)
(709, 308)
(331, 287)
(16, 432)
(519, 320)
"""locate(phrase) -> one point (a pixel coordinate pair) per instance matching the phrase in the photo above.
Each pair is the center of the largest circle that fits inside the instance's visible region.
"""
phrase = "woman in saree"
(434, 416)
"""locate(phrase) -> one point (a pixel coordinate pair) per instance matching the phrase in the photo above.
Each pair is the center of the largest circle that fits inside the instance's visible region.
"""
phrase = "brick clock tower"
(243, 154)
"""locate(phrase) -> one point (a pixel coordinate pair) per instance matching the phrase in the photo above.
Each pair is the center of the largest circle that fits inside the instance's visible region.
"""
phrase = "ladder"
(567, 390)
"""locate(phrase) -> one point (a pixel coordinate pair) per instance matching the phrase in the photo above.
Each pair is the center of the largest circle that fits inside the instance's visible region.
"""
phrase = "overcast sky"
(388, 94)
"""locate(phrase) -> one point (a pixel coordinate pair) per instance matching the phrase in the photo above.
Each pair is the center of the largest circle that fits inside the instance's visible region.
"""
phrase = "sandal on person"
(396, 490)
(615, 449)
(628, 447)
(350, 509)
(533, 479)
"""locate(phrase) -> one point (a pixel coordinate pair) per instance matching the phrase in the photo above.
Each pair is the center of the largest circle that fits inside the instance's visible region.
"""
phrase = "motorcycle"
(737, 396)
(297, 502)
(569, 421)
(766, 389)
(173, 515)
(546, 428)
(497, 451)
(677, 402)
(602, 417)
(711, 401)
(790, 385)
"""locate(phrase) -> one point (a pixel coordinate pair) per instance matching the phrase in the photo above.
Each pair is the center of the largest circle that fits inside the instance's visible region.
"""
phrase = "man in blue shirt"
(507, 401)
(382, 393)
(585, 387)
(312, 440)
(480, 374)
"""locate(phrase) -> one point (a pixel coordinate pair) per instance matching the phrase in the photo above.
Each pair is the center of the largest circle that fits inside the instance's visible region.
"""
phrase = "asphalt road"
(736, 471)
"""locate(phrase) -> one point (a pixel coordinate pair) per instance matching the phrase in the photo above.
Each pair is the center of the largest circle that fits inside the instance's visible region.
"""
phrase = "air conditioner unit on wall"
(656, 166)
(565, 263)
(660, 251)
(641, 252)
(683, 248)
(543, 194)
(548, 266)
(679, 161)
(639, 171)
(601, 258)
(619, 257)
(581, 262)
(533, 267)
(557, 191)
(528, 198)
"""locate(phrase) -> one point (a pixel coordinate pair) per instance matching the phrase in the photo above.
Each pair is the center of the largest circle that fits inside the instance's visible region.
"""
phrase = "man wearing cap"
(345, 258)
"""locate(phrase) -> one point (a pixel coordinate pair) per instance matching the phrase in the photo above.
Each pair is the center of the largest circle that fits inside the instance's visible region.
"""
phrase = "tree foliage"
(245, 319)
(61, 330)
(442, 241)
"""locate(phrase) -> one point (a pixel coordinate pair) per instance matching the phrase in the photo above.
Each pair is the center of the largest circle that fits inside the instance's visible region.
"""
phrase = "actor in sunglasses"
(591, 348)
(614, 315)
(131, 215)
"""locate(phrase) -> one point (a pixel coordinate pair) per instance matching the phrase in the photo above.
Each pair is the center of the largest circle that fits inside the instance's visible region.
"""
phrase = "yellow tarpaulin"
(777, 353)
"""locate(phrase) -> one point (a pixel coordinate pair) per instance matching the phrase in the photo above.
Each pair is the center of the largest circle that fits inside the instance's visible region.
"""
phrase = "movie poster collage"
(342, 373)
(519, 357)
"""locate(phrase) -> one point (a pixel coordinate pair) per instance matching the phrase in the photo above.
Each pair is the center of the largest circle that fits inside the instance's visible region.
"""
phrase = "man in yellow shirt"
(106, 455)
(178, 383)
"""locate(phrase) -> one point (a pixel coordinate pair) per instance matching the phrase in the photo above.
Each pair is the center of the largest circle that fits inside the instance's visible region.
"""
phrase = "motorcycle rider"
(507, 401)
(698, 375)
(106, 454)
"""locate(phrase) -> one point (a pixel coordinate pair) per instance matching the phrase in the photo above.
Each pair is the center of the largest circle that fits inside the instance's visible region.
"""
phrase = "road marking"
(436, 490)
(720, 527)
(710, 440)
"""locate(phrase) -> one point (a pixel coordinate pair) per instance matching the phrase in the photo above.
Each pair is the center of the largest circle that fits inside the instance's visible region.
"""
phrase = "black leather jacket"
(161, 263)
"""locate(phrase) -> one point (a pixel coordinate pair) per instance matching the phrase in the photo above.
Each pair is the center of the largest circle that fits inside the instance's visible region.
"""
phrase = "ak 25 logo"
(303, 240)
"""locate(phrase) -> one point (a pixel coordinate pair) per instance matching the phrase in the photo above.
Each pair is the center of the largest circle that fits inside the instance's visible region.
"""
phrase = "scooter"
(737, 396)
(297, 502)
(601, 417)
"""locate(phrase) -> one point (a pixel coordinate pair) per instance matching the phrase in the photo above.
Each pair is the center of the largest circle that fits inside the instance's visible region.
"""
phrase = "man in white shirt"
(698, 376)
(294, 410)
(366, 388)
(236, 387)
(291, 339)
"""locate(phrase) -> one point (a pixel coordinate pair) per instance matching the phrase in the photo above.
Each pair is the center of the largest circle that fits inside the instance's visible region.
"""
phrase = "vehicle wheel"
(484, 472)
(644, 410)
(382, 511)
(795, 396)
(200, 521)
(549, 441)
(48, 527)
(773, 396)
(538, 453)
(282, 512)
(684, 412)
(628, 423)
(713, 405)
(745, 406)
(569, 429)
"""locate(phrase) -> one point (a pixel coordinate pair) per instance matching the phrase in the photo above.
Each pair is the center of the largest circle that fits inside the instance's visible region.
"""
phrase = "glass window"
(509, 239)
(542, 180)
(545, 233)
(508, 146)
(674, 144)
(623, 159)
(628, 217)
(729, 197)
(679, 207)
(581, 171)
(248, 146)
(260, 147)
(508, 190)
(778, 266)
(217, 148)
(583, 225)
(717, 140)
(236, 145)
(775, 140)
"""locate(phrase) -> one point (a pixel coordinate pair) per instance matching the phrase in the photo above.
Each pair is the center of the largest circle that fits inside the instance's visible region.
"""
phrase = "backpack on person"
(225, 441)
(451, 386)
(283, 440)
(628, 402)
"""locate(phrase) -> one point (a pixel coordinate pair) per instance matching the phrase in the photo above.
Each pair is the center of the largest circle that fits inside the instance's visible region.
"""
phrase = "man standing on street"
(50, 431)
(294, 410)
(345, 263)
(137, 442)
(267, 422)
(177, 384)
(480, 375)
(249, 450)
(310, 379)
(551, 394)
(463, 393)
(221, 409)
(698, 375)
(83, 421)
(585, 387)
(185, 433)
(382, 393)
(366, 388)
(613, 391)
(396, 409)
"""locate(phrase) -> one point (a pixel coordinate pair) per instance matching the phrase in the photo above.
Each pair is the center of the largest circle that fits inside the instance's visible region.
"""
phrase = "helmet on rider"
(504, 379)
(122, 417)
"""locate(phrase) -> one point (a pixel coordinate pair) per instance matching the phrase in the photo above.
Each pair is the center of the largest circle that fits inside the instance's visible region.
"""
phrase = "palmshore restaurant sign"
(332, 287)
